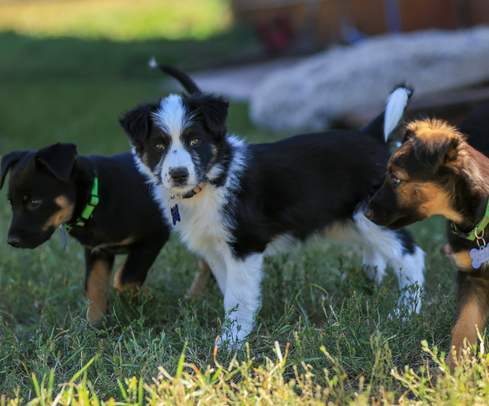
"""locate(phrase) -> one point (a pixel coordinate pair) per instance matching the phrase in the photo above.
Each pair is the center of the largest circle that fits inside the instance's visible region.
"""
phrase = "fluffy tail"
(396, 104)
(386, 122)
(182, 77)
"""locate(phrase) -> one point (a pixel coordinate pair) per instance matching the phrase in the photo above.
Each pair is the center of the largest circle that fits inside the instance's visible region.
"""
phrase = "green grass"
(73, 90)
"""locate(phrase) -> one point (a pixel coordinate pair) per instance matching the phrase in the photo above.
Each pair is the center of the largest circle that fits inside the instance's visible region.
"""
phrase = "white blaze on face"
(172, 117)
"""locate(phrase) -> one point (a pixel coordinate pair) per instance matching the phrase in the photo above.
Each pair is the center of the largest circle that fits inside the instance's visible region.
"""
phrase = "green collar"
(480, 226)
(88, 210)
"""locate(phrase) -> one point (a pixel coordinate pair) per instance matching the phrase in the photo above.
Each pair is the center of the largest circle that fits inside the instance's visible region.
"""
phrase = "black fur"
(210, 110)
(59, 159)
(476, 127)
(8, 161)
(304, 183)
(126, 221)
(185, 80)
(137, 122)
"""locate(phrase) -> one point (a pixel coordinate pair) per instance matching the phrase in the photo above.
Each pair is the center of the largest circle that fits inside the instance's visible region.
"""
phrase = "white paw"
(232, 337)
(413, 303)
(411, 300)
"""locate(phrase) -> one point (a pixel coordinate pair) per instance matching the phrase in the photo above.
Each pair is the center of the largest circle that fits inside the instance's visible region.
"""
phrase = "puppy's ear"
(439, 152)
(407, 134)
(59, 159)
(212, 111)
(8, 161)
(137, 122)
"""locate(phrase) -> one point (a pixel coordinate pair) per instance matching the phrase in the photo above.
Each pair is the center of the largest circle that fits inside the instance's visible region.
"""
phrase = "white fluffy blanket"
(330, 84)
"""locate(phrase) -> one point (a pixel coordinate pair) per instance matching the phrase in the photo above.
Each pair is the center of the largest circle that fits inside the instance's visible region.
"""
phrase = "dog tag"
(62, 231)
(479, 256)
(175, 214)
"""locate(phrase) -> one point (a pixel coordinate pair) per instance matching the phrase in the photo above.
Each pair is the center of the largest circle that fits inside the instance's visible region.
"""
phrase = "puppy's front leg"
(98, 274)
(132, 274)
(243, 291)
(471, 311)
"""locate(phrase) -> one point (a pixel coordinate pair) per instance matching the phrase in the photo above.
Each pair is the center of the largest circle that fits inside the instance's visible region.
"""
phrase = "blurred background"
(69, 68)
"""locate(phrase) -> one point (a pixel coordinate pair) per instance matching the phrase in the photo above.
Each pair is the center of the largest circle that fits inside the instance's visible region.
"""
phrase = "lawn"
(122, 20)
(324, 331)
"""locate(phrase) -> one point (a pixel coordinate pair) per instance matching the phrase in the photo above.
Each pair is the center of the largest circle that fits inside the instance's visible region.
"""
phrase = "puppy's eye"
(159, 146)
(34, 203)
(195, 142)
(395, 181)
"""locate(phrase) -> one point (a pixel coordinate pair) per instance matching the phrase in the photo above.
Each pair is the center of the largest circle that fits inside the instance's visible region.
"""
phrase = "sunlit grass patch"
(122, 20)
(240, 383)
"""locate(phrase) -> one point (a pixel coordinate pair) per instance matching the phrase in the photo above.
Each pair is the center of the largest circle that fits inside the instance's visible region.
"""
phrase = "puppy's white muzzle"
(178, 171)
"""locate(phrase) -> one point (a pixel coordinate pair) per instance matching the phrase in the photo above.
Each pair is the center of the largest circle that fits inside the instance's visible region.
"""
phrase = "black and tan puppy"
(435, 171)
(105, 204)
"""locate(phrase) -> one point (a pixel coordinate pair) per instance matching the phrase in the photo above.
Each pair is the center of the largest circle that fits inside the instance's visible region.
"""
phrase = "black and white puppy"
(239, 202)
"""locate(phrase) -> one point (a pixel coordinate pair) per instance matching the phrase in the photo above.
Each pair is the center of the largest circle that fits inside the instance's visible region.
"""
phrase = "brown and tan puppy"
(435, 171)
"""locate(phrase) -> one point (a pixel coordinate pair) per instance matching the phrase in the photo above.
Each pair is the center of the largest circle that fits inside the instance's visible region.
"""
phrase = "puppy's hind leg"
(374, 264)
(98, 274)
(394, 248)
(200, 281)
(409, 268)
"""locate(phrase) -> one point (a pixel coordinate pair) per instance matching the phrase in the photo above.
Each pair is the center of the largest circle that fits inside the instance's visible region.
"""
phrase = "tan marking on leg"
(468, 322)
(463, 260)
(200, 281)
(133, 288)
(61, 216)
(125, 241)
(98, 290)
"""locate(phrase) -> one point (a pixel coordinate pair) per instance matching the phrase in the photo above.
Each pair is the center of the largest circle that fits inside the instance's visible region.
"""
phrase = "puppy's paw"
(135, 293)
(407, 305)
(233, 339)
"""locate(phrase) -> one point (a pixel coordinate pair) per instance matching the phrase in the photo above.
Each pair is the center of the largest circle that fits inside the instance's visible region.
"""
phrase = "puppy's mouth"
(179, 189)
(388, 221)
(186, 193)
(394, 223)
(32, 241)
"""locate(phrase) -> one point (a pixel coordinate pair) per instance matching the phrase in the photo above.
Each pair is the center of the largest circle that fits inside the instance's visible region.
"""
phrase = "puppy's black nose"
(13, 240)
(368, 213)
(179, 175)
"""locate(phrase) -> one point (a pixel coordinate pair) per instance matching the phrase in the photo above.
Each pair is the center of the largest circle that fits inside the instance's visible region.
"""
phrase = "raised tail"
(386, 122)
(182, 77)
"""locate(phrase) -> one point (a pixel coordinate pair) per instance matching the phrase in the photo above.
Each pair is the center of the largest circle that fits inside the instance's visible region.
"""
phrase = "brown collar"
(188, 195)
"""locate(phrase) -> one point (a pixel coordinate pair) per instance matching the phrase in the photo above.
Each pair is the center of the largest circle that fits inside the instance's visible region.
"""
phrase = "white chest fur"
(202, 225)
